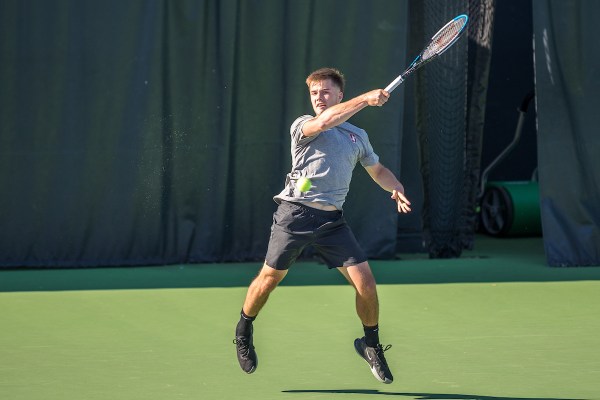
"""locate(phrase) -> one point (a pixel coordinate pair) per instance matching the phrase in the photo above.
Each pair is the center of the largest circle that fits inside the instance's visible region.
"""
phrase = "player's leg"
(367, 308)
(261, 287)
(363, 281)
(284, 247)
(258, 292)
(338, 246)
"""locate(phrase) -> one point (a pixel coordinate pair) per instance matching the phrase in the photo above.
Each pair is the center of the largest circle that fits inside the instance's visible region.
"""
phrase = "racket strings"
(443, 39)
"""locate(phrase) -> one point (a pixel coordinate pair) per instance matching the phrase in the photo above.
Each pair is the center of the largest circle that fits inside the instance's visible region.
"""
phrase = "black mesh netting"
(450, 113)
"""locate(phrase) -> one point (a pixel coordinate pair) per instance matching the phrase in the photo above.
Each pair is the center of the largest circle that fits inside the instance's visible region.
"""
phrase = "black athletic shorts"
(296, 226)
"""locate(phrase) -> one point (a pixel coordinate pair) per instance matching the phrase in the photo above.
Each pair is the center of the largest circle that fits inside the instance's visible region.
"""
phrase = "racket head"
(439, 43)
(445, 37)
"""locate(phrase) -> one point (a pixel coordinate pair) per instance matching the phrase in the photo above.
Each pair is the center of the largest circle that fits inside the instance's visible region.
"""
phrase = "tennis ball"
(303, 184)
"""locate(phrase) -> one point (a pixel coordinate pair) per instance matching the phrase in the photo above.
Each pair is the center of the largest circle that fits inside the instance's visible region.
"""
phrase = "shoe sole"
(255, 366)
(358, 351)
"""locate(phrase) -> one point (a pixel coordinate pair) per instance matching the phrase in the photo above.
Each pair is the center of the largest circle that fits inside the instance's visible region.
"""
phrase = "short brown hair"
(323, 74)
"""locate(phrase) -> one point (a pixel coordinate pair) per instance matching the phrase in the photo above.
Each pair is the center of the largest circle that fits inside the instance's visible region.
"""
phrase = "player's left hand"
(402, 201)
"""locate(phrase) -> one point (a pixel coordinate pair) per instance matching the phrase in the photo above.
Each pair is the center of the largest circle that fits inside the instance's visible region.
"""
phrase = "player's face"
(324, 94)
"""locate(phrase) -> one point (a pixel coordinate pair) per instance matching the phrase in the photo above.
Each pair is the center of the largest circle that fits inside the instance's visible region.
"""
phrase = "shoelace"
(379, 350)
(386, 348)
(243, 345)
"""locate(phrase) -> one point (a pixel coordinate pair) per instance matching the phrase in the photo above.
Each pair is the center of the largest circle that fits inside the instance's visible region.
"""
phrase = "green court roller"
(511, 209)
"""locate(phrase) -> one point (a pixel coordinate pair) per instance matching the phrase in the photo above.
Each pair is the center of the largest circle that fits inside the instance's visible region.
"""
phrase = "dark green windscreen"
(142, 132)
(567, 65)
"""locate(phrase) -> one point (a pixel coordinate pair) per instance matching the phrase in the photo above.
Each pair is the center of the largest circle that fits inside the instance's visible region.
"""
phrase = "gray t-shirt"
(328, 160)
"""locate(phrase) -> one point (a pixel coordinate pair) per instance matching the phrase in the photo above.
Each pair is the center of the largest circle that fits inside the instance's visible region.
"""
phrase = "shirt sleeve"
(296, 130)
(369, 157)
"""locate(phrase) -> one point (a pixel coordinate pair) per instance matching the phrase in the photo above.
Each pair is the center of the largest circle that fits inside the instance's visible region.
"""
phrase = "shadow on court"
(423, 396)
(492, 260)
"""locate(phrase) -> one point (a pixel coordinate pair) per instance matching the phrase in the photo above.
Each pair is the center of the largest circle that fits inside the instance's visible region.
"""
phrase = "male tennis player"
(325, 148)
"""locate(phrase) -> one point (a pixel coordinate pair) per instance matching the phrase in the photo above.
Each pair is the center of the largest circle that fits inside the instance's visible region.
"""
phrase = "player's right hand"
(377, 97)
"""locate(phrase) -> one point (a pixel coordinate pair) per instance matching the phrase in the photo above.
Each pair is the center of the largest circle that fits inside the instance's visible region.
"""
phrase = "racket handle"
(395, 83)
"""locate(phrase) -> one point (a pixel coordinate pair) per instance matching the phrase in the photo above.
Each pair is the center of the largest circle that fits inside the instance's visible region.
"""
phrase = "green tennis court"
(495, 324)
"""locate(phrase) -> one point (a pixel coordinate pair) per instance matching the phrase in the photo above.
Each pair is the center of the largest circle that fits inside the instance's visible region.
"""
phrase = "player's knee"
(269, 278)
(269, 283)
(368, 288)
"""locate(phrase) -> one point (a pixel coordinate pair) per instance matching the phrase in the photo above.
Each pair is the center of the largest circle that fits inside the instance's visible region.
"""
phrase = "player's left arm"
(388, 181)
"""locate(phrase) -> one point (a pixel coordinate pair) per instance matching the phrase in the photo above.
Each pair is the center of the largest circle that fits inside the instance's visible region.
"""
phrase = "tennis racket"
(439, 43)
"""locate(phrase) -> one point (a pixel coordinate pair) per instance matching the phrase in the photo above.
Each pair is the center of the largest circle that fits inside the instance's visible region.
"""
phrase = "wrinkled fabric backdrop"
(157, 132)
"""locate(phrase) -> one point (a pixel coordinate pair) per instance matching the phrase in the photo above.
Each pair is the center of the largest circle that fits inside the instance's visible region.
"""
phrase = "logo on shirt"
(353, 137)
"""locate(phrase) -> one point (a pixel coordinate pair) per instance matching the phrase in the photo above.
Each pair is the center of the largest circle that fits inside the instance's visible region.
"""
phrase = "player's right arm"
(341, 112)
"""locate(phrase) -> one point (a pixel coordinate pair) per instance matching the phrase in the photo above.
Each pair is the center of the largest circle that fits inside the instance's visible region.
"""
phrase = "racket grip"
(394, 84)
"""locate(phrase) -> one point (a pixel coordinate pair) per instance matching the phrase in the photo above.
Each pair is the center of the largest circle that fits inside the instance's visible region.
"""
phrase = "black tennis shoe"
(375, 358)
(245, 353)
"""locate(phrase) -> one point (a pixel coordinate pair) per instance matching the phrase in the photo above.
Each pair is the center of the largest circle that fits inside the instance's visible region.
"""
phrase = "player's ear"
(340, 96)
